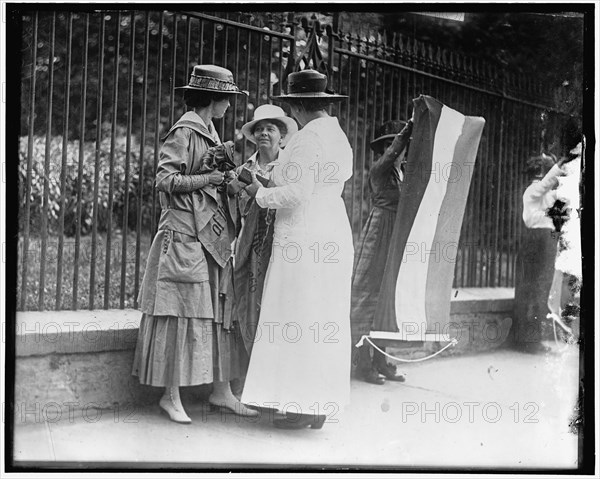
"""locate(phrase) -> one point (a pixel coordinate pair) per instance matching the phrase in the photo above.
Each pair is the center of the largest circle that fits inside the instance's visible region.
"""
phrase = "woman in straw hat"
(385, 177)
(269, 130)
(182, 339)
(301, 363)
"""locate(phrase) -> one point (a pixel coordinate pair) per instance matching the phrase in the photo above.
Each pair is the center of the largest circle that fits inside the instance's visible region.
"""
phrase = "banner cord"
(453, 342)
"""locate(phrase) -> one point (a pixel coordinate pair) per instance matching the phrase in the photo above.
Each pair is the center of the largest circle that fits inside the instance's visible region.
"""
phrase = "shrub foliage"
(47, 174)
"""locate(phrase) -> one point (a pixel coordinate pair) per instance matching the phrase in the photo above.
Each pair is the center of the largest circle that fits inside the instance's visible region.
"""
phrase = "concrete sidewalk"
(499, 409)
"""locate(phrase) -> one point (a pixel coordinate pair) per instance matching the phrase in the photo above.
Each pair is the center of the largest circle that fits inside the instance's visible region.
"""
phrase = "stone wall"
(81, 360)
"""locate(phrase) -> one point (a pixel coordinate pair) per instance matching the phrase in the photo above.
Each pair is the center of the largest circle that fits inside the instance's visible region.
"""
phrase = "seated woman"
(270, 130)
(385, 177)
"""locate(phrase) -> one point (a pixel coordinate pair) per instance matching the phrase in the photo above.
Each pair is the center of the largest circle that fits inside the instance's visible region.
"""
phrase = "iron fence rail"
(99, 93)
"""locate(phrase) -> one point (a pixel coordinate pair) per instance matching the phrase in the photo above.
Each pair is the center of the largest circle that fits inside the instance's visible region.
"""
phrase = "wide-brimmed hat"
(212, 78)
(308, 84)
(270, 112)
(388, 130)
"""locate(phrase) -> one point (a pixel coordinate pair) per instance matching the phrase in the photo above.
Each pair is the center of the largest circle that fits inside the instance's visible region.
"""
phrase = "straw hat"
(308, 84)
(212, 78)
(270, 112)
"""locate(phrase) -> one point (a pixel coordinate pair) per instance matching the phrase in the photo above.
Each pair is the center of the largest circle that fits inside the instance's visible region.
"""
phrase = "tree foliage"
(547, 47)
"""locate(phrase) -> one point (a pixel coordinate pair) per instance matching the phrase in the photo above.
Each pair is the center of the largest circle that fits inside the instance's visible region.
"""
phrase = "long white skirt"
(300, 361)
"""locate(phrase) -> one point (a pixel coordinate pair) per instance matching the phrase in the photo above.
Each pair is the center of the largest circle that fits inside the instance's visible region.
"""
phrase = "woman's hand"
(234, 187)
(230, 175)
(253, 187)
(216, 177)
(566, 159)
(401, 140)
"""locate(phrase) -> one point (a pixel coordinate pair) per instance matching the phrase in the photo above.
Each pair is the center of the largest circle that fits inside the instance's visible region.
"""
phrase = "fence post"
(27, 214)
(47, 156)
(331, 34)
(496, 263)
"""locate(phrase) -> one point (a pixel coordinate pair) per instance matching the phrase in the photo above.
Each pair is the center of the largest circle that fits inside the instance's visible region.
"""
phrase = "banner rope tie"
(453, 342)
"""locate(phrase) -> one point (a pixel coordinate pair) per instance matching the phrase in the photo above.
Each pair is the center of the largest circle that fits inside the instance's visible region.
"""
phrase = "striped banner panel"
(415, 295)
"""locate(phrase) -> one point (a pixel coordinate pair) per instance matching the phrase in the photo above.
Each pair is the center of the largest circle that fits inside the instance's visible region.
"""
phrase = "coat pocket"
(183, 263)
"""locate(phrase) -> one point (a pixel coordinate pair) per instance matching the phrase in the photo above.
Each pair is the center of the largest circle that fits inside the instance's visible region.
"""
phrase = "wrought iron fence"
(383, 72)
(98, 92)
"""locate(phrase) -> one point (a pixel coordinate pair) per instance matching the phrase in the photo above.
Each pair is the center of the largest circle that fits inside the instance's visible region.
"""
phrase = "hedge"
(56, 193)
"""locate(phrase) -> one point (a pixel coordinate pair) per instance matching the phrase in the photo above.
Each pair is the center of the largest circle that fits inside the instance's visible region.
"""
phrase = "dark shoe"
(390, 372)
(300, 421)
(365, 369)
(371, 376)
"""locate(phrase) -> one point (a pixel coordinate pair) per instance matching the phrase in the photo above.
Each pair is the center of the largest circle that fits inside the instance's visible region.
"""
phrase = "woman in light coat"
(183, 339)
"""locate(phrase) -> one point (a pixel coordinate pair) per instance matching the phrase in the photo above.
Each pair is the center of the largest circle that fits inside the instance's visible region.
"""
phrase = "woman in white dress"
(300, 363)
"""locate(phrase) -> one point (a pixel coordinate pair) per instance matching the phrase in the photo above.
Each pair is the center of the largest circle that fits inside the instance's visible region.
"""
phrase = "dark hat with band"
(212, 78)
(308, 84)
(388, 130)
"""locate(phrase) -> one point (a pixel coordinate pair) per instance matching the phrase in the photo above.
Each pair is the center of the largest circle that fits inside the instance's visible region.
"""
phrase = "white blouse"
(309, 173)
(538, 197)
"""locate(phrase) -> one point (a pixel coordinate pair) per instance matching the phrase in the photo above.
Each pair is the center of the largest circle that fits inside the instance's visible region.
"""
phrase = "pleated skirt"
(177, 351)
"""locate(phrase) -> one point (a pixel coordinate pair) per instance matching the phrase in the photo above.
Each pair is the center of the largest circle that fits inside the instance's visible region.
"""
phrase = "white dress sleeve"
(534, 212)
(299, 175)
